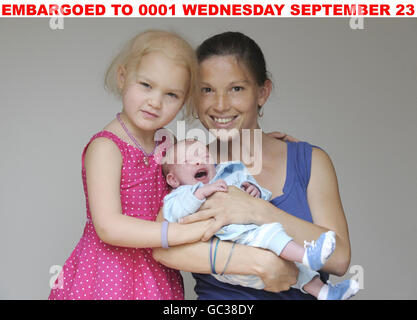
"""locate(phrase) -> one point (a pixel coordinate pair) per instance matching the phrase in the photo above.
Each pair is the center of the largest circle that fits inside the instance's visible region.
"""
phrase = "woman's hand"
(235, 206)
(282, 136)
(277, 274)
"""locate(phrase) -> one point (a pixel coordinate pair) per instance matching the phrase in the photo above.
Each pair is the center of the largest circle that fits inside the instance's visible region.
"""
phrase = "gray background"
(352, 92)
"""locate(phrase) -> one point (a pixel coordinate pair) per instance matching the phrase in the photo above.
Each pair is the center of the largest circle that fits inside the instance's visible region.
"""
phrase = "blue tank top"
(293, 201)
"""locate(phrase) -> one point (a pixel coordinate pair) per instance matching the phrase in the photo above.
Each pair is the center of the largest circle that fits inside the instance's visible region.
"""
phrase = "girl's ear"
(121, 77)
(264, 92)
(172, 181)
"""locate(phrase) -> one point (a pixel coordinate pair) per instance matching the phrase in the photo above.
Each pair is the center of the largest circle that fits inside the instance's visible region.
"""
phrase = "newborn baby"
(190, 172)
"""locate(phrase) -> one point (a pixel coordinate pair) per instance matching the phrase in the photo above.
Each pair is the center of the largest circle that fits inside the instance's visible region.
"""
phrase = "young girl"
(124, 187)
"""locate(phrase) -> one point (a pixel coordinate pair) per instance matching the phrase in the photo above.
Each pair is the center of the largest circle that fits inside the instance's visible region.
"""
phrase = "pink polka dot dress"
(96, 270)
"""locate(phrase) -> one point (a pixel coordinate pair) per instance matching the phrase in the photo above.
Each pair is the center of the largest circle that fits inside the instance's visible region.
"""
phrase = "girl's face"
(229, 95)
(155, 93)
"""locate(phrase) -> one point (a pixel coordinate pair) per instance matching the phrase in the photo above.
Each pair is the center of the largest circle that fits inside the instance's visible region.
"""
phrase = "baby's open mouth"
(201, 174)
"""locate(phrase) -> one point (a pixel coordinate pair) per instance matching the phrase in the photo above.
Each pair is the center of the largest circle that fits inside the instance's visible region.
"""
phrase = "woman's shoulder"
(309, 152)
(275, 147)
(321, 161)
(308, 159)
(300, 157)
(305, 149)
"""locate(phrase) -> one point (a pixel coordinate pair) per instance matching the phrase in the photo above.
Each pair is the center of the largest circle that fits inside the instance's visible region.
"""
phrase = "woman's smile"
(224, 122)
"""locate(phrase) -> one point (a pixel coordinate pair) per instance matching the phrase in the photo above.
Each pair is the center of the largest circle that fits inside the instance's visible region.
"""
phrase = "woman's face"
(229, 95)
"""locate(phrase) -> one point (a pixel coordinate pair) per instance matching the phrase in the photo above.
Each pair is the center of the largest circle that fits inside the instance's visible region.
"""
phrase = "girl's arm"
(277, 274)
(103, 163)
(325, 205)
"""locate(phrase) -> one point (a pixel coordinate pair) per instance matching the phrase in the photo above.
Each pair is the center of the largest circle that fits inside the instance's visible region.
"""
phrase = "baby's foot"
(341, 291)
(318, 252)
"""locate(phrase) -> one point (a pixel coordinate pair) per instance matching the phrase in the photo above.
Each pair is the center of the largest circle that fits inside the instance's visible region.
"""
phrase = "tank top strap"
(300, 157)
(108, 135)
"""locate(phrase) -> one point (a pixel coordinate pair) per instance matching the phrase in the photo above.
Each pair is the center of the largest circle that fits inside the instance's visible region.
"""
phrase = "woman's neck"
(247, 147)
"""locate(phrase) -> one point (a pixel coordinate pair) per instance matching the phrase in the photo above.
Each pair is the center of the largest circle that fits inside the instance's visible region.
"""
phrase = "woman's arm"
(327, 209)
(103, 163)
(325, 206)
(277, 274)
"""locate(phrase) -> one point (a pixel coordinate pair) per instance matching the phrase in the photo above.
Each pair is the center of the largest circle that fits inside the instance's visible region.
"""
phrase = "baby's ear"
(172, 181)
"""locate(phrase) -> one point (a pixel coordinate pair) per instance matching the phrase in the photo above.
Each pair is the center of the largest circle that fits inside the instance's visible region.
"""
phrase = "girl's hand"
(282, 136)
(202, 227)
(235, 206)
(179, 234)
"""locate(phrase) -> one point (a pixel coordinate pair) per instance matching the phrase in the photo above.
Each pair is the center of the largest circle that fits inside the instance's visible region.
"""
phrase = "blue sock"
(318, 252)
(341, 291)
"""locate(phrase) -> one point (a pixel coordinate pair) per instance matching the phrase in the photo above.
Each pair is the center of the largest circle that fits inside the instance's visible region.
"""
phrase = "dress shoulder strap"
(109, 135)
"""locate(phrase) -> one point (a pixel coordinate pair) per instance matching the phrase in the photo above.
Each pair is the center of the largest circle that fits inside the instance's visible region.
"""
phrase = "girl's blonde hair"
(168, 43)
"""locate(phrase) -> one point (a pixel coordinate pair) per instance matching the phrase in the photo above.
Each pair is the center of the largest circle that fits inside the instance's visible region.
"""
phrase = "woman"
(234, 87)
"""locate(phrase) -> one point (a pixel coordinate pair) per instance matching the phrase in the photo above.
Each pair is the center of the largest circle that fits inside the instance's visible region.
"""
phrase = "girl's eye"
(145, 84)
(205, 90)
(172, 95)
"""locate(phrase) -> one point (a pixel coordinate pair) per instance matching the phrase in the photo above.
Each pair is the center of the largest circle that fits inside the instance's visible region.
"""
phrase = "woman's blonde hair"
(168, 43)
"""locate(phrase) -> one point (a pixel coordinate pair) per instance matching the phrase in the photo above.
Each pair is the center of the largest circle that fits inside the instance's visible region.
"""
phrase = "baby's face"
(194, 164)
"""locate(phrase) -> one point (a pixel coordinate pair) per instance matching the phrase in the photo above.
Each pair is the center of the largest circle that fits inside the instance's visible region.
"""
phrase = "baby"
(190, 171)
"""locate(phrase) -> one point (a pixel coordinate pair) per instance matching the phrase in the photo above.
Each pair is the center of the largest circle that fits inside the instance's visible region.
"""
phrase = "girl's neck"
(143, 137)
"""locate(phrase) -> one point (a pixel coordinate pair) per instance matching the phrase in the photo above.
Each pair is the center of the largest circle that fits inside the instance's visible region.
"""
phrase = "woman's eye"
(205, 90)
(237, 89)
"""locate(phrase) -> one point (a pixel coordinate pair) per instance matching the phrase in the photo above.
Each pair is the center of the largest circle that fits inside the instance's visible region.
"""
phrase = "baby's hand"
(219, 185)
(208, 189)
(251, 189)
